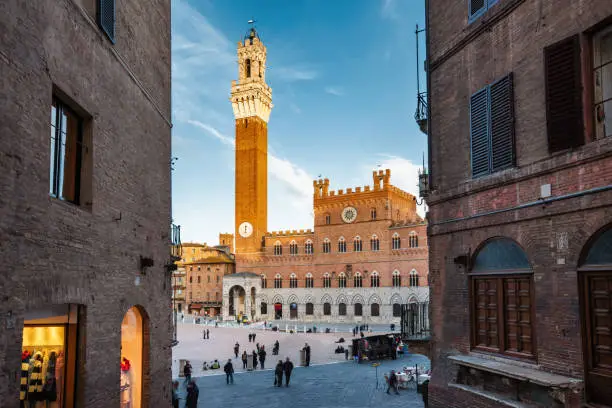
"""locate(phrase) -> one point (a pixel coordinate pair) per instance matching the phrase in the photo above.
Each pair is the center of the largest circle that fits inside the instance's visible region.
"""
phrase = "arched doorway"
(237, 296)
(293, 311)
(278, 311)
(134, 348)
(595, 284)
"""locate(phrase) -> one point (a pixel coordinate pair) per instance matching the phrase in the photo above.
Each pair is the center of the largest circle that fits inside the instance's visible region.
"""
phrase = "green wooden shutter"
(106, 17)
(502, 124)
(479, 132)
(564, 122)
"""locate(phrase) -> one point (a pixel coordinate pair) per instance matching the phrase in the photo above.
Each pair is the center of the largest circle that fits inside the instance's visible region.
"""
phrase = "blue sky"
(343, 78)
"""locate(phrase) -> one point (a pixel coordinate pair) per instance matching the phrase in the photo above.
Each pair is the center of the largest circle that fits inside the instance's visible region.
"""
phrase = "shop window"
(396, 241)
(374, 243)
(375, 280)
(397, 310)
(414, 278)
(375, 309)
(342, 309)
(341, 245)
(293, 282)
(326, 246)
(326, 280)
(501, 291)
(358, 309)
(342, 280)
(357, 244)
(309, 309)
(308, 248)
(327, 309)
(397, 279)
(48, 356)
(357, 280)
(134, 346)
(309, 280)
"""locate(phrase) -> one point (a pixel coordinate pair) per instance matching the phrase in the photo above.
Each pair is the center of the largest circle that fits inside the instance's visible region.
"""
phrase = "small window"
(191, 279)
(602, 82)
(278, 249)
(342, 280)
(374, 243)
(106, 18)
(396, 241)
(309, 280)
(476, 8)
(341, 245)
(326, 280)
(309, 309)
(293, 248)
(199, 279)
(248, 68)
(278, 281)
(326, 246)
(397, 310)
(198, 267)
(414, 278)
(326, 309)
(293, 282)
(358, 309)
(357, 280)
(308, 248)
(342, 309)
(375, 280)
(397, 279)
(373, 213)
(327, 219)
(357, 244)
(374, 309)
(492, 128)
(264, 282)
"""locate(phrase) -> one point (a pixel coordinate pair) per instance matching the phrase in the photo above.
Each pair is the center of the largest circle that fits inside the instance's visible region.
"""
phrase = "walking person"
(207, 334)
(187, 372)
(392, 382)
(244, 360)
(254, 359)
(250, 337)
(175, 397)
(253, 337)
(229, 371)
(307, 350)
(193, 392)
(262, 357)
(278, 374)
(236, 349)
(287, 368)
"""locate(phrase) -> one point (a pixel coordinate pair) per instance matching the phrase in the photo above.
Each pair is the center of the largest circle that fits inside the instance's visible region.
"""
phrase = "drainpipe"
(427, 61)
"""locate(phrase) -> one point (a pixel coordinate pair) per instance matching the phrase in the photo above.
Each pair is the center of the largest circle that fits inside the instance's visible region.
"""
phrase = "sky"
(343, 78)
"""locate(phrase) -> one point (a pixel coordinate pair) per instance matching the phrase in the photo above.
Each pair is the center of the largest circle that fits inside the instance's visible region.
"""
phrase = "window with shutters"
(501, 292)
(563, 87)
(476, 8)
(492, 128)
(602, 82)
(106, 18)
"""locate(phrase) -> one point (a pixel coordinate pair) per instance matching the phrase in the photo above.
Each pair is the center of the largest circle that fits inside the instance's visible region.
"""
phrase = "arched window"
(326, 280)
(357, 280)
(326, 309)
(397, 310)
(264, 308)
(374, 243)
(264, 281)
(191, 279)
(414, 278)
(502, 293)
(373, 213)
(199, 279)
(293, 282)
(374, 309)
(309, 280)
(413, 240)
(396, 241)
(342, 309)
(278, 248)
(248, 68)
(327, 219)
(358, 309)
(341, 245)
(357, 244)
(198, 267)
(278, 281)
(309, 309)
(326, 246)
(341, 280)
(191, 269)
(374, 280)
(397, 279)
(308, 248)
(293, 248)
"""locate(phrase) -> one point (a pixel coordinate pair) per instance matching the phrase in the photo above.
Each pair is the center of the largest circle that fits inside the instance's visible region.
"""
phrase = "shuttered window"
(106, 17)
(477, 7)
(492, 128)
(564, 122)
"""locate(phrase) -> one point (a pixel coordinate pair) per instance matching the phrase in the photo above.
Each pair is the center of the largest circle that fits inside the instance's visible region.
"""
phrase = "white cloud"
(295, 73)
(388, 9)
(213, 132)
(295, 108)
(336, 91)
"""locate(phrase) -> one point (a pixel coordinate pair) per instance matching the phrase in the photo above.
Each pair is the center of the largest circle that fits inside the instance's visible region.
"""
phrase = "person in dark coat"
(262, 356)
(193, 392)
(207, 334)
(175, 397)
(229, 371)
(254, 337)
(254, 359)
(287, 368)
(187, 372)
(244, 360)
(307, 350)
(278, 374)
(392, 382)
(236, 349)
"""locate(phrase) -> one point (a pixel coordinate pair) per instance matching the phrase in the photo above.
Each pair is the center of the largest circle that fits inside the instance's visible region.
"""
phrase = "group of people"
(193, 392)
(360, 329)
(252, 337)
(283, 368)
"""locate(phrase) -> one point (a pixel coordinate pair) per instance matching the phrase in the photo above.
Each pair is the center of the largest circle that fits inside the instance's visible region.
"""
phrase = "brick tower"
(252, 102)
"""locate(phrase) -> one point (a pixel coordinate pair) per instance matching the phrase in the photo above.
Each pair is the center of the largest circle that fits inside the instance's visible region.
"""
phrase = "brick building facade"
(520, 191)
(85, 201)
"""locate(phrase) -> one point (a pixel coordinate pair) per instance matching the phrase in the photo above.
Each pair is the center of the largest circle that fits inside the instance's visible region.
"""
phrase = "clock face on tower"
(349, 214)
(245, 230)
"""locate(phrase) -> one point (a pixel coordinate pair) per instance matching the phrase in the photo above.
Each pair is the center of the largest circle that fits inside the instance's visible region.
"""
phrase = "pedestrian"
(229, 371)
(287, 368)
(207, 334)
(262, 357)
(203, 334)
(193, 393)
(187, 372)
(257, 346)
(346, 353)
(307, 350)
(362, 335)
(278, 374)
(175, 397)
(236, 349)
(254, 359)
(253, 337)
(244, 360)
(249, 337)
(392, 382)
